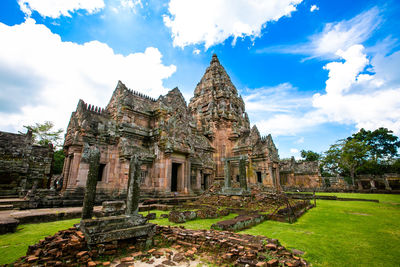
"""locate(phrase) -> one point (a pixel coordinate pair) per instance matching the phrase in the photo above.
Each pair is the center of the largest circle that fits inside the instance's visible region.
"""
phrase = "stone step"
(6, 207)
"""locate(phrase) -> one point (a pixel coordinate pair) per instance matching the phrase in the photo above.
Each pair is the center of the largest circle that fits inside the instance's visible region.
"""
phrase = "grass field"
(335, 233)
(338, 233)
(15, 245)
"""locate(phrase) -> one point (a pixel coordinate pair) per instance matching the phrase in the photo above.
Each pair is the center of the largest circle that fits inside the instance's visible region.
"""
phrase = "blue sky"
(310, 72)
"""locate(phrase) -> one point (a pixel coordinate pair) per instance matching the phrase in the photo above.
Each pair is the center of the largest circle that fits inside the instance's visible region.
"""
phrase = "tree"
(353, 154)
(345, 156)
(58, 161)
(383, 145)
(310, 155)
(43, 133)
(330, 162)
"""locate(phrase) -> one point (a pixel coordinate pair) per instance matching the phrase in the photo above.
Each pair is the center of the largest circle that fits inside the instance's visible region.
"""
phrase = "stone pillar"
(198, 179)
(387, 186)
(372, 182)
(133, 193)
(242, 172)
(93, 156)
(227, 169)
(360, 187)
(66, 167)
(271, 174)
(187, 176)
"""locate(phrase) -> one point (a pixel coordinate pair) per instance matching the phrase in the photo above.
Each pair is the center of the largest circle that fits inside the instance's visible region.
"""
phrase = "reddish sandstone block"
(273, 263)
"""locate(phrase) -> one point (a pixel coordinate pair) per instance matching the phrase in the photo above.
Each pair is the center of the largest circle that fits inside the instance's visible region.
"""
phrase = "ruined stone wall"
(23, 164)
(300, 174)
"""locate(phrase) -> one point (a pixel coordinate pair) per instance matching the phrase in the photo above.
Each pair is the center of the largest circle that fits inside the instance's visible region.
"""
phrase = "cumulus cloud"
(334, 36)
(359, 91)
(368, 100)
(314, 8)
(131, 5)
(271, 108)
(213, 21)
(42, 77)
(58, 8)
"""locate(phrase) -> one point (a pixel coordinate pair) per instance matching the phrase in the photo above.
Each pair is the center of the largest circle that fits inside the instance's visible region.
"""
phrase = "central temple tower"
(219, 113)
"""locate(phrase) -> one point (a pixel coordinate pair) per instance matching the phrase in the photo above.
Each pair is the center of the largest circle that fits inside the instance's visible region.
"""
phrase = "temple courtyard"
(334, 233)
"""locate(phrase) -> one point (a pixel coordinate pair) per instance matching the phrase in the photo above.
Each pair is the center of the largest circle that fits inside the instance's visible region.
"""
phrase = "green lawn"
(15, 245)
(194, 224)
(340, 233)
(336, 233)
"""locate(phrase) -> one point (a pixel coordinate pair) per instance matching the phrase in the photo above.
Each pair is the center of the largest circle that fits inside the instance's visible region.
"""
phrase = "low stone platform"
(240, 222)
(107, 229)
(8, 225)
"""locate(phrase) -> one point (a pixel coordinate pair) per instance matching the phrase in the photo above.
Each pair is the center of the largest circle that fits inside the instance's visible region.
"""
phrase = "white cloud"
(334, 36)
(196, 51)
(48, 76)
(213, 21)
(131, 5)
(352, 96)
(314, 8)
(294, 150)
(368, 100)
(57, 8)
(278, 98)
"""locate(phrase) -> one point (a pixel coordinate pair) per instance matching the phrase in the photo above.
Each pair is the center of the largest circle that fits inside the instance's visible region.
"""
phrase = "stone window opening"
(143, 177)
(101, 172)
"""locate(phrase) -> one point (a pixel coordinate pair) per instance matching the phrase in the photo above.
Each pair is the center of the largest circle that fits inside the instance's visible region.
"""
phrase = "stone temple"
(183, 148)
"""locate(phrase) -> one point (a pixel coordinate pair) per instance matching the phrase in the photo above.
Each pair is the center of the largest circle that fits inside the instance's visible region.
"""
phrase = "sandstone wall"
(23, 164)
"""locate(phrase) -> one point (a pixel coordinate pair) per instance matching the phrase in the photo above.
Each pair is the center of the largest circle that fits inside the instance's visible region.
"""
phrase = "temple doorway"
(176, 167)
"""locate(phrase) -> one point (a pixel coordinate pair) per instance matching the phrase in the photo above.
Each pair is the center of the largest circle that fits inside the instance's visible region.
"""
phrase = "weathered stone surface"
(181, 216)
(300, 174)
(181, 146)
(231, 248)
(113, 208)
(240, 222)
(92, 155)
(151, 216)
(133, 194)
(23, 165)
(8, 225)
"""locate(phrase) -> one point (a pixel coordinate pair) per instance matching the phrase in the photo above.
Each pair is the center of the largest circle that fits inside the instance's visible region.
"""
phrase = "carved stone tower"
(219, 113)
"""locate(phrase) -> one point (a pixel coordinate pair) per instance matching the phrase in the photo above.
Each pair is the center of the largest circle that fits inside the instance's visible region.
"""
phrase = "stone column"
(133, 193)
(188, 174)
(387, 186)
(93, 156)
(271, 174)
(227, 169)
(372, 182)
(66, 167)
(242, 172)
(198, 179)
